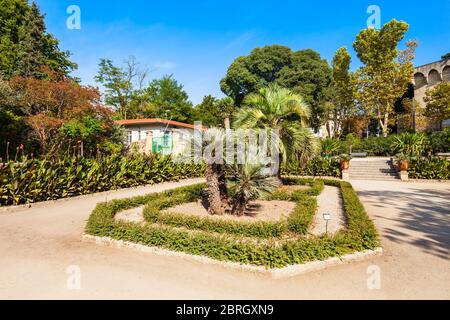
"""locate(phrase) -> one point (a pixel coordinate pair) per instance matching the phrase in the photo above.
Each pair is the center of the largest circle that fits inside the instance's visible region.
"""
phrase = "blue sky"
(197, 40)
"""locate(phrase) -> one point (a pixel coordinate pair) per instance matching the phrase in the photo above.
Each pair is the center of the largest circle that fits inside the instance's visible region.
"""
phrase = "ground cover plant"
(225, 242)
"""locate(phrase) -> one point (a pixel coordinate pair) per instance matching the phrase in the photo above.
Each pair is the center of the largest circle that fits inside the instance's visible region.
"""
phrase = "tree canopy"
(386, 70)
(303, 71)
(438, 102)
(342, 105)
(25, 44)
(213, 112)
(166, 98)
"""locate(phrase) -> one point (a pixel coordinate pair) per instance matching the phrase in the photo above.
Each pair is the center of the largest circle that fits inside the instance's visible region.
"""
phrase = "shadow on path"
(423, 217)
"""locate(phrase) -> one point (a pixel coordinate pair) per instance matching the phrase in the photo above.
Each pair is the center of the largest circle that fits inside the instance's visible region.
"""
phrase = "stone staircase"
(372, 169)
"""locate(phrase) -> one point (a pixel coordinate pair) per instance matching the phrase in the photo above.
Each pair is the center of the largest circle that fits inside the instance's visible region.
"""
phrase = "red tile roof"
(154, 121)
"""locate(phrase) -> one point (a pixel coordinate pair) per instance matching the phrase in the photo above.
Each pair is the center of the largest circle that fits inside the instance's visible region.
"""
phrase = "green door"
(162, 144)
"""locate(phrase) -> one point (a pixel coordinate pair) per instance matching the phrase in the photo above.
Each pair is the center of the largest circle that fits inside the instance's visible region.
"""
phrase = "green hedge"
(318, 166)
(360, 234)
(35, 180)
(430, 168)
(298, 221)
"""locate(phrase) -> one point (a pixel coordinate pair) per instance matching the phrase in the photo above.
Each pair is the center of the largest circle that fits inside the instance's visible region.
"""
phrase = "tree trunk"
(384, 125)
(226, 122)
(327, 125)
(239, 205)
(215, 185)
(223, 186)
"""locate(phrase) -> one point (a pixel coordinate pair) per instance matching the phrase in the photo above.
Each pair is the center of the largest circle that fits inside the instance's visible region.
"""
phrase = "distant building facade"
(426, 77)
(158, 135)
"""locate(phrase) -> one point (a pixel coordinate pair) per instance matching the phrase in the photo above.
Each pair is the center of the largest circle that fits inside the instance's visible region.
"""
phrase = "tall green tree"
(280, 109)
(303, 71)
(386, 72)
(214, 112)
(342, 105)
(123, 85)
(438, 102)
(166, 98)
(25, 44)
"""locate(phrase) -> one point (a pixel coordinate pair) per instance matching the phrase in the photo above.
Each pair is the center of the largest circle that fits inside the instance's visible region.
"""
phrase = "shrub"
(318, 166)
(360, 234)
(330, 147)
(298, 221)
(440, 141)
(410, 144)
(430, 168)
(40, 179)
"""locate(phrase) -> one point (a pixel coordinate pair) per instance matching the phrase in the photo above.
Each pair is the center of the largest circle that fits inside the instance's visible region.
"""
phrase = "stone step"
(370, 165)
(374, 170)
(371, 177)
(373, 173)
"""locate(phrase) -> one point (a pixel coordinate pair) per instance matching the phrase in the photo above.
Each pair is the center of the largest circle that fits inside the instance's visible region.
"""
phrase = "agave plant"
(329, 147)
(249, 181)
(410, 144)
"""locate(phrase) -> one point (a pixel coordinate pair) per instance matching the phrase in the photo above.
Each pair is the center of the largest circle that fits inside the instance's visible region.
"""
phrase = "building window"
(129, 136)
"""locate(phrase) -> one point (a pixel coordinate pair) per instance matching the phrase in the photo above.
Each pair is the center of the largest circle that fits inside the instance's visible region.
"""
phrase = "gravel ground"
(39, 247)
(259, 210)
(329, 201)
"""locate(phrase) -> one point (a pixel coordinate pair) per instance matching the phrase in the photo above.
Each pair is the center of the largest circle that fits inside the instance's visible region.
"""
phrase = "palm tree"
(249, 182)
(281, 109)
(215, 173)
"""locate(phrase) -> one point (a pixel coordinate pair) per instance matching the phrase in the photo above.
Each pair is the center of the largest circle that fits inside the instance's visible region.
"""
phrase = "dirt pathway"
(40, 244)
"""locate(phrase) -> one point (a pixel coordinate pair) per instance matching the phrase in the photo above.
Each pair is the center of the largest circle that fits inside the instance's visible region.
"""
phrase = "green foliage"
(330, 147)
(166, 98)
(318, 166)
(342, 104)
(122, 84)
(280, 109)
(25, 44)
(303, 71)
(410, 144)
(94, 134)
(212, 111)
(33, 180)
(298, 221)
(438, 102)
(386, 71)
(360, 234)
(373, 146)
(249, 182)
(439, 141)
(429, 168)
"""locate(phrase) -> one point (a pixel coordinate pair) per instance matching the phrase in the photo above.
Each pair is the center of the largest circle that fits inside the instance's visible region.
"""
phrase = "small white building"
(158, 135)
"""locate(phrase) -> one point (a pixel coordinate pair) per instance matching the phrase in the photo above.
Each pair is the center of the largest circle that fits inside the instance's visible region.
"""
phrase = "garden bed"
(222, 239)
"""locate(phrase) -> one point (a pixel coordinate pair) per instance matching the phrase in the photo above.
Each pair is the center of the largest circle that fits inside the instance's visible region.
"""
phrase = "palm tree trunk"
(239, 205)
(213, 180)
(223, 186)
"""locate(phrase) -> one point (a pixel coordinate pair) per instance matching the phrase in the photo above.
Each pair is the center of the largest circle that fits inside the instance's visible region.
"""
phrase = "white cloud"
(241, 39)
(165, 65)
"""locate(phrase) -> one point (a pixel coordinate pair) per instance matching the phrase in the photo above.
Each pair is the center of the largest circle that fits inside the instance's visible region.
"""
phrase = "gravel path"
(39, 245)
(329, 201)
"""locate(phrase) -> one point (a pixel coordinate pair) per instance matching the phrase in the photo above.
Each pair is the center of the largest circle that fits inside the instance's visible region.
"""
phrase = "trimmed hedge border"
(359, 235)
(298, 221)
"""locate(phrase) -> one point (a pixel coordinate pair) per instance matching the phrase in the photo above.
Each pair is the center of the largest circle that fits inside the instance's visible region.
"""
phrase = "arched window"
(419, 80)
(446, 73)
(433, 77)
